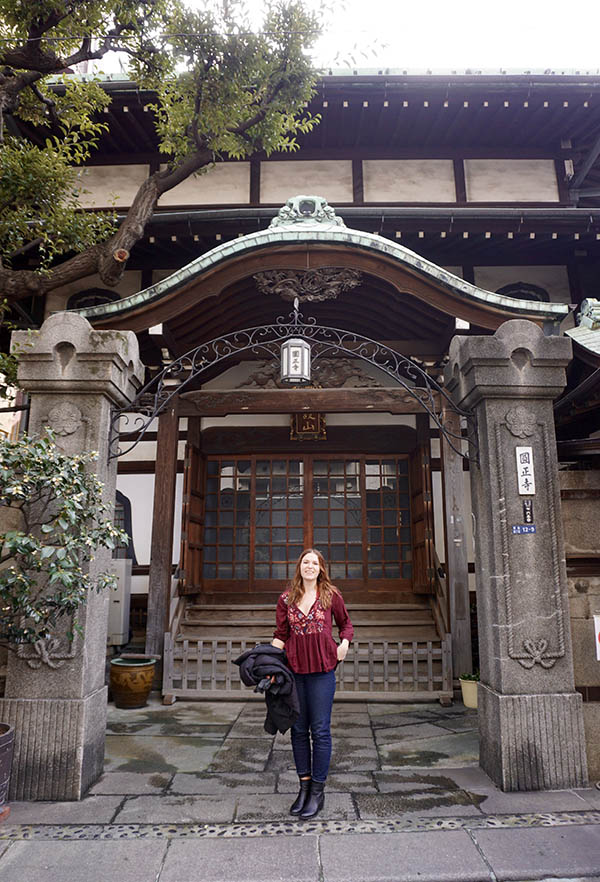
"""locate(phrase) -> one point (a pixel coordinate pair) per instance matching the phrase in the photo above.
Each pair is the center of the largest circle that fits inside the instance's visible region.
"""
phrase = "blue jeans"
(315, 694)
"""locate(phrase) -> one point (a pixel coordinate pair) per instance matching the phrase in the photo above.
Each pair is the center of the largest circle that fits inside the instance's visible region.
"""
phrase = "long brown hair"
(325, 590)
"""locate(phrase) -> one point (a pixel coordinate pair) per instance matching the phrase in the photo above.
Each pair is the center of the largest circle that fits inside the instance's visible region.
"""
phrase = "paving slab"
(224, 783)
(276, 807)
(406, 781)
(172, 727)
(240, 755)
(281, 761)
(131, 783)
(276, 859)
(591, 796)
(525, 853)
(401, 733)
(389, 721)
(205, 712)
(353, 755)
(183, 809)
(461, 749)
(92, 861)
(456, 803)
(494, 801)
(469, 778)
(91, 810)
(244, 728)
(458, 724)
(159, 754)
(379, 709)
(450, 856)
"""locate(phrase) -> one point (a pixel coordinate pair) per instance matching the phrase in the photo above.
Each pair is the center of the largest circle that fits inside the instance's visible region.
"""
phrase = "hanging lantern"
(295, 361)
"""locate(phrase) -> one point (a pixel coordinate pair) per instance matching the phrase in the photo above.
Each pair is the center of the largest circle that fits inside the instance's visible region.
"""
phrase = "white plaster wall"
(279, 180)
(408, 180)
(226, 183)
(139, 489)
(131, 283)
(111, 185)
(511, 180)
(146, 451)
(554, 279)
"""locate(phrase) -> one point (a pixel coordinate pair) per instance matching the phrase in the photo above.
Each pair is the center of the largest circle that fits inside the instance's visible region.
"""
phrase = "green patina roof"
(322, 226)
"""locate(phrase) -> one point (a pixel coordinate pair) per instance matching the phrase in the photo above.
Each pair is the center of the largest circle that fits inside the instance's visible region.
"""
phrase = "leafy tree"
(223, 89)
(60, 519)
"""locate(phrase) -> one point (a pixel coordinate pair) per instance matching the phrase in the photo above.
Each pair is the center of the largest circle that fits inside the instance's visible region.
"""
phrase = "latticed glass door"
(260, 512)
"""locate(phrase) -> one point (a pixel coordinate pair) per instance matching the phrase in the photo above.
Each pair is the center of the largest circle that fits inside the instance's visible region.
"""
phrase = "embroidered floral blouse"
(309, 643)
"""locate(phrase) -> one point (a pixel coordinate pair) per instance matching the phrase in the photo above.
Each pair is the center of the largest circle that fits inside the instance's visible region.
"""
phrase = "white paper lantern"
(295, 361)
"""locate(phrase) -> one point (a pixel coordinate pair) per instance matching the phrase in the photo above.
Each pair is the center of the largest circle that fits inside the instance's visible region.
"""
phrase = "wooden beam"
(586, 165)
(455, 536)
(163, 517)
(223, 402)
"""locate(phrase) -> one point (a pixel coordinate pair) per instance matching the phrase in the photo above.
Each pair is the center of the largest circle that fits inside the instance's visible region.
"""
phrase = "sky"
(461, 34)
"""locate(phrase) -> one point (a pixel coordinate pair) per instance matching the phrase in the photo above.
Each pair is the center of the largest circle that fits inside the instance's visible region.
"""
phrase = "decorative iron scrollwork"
(266, 341)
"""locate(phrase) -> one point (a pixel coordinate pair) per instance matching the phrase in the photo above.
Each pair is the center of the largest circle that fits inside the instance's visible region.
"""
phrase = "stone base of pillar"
(532, 742)
(59, 745)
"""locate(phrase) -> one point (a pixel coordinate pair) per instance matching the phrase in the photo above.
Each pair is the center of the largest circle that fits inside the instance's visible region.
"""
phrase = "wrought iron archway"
(155, 396)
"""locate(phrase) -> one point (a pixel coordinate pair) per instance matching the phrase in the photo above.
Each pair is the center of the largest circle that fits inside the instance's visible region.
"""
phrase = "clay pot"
(7, 742)
(131, 681)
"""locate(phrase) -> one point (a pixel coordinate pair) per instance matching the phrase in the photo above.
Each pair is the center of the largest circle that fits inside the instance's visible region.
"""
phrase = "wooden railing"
(374, 669)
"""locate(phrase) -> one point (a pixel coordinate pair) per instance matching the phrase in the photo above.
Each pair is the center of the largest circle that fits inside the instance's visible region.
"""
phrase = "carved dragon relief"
(325, 283)
(330, 373)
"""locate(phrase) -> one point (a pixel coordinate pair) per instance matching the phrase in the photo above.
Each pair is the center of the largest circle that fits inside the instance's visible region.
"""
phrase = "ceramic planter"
(131, 681)
(469, 692)
(7, 741)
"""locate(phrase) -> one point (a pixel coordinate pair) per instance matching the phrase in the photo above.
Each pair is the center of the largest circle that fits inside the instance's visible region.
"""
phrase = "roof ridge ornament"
(589, 315)
(308, 211)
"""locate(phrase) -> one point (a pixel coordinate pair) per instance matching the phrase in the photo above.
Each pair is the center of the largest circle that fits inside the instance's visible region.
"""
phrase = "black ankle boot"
(315, 801)
(303, 793)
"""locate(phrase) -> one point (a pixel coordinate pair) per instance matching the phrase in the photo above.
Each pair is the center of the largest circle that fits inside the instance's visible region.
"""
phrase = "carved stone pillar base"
(532, 742)
(59, 745)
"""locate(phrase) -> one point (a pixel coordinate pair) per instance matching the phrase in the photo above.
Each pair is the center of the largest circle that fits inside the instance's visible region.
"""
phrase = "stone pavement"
(198, 792)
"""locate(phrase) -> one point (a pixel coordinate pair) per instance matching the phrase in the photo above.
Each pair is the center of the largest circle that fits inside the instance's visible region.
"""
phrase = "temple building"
(422, 208)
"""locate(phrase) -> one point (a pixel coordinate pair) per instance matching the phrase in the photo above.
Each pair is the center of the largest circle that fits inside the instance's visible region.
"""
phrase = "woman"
(304, 630)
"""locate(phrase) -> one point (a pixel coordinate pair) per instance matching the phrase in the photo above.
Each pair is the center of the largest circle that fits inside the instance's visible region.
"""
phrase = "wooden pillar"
(457, 563)
(163, 519)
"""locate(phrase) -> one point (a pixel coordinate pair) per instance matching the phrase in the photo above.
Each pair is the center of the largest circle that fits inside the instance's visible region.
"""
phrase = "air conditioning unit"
(118, 604)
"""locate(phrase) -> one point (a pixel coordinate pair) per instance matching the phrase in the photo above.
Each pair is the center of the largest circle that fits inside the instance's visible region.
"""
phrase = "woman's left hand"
(342, 651)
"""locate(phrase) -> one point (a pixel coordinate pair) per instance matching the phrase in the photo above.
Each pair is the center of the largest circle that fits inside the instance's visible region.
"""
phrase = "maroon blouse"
(309, 643)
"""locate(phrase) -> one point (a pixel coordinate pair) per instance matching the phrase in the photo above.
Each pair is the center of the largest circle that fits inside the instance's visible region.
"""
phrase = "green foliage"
(63, 520)
(225, 88)
(8, 361)
(233, 76)
(473, 676)
(39, 192)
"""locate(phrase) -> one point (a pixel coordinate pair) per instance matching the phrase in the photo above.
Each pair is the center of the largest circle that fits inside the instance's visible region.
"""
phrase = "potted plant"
(53, 518)
(468, 687)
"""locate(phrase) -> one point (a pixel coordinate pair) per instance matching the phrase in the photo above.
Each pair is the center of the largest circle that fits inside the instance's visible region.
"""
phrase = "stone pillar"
(530, 717)
(55, 693)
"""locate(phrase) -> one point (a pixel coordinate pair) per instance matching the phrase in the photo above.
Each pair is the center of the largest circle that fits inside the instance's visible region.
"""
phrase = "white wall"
(329, 178)
(408, 180)
(511, 180)
(226, 183)
(111, 185)
(554, 279)
(130, 284)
